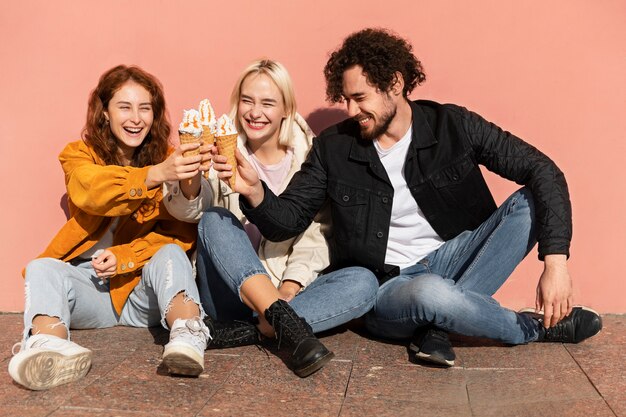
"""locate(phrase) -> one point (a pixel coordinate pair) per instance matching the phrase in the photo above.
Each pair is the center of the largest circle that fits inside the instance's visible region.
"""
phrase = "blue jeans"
(452, 287)
(226, 259)
(73, 293)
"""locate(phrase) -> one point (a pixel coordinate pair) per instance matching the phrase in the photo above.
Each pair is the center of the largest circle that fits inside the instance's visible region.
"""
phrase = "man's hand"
(288, 290)
(105, 264)
(247, 181)
(554, 291)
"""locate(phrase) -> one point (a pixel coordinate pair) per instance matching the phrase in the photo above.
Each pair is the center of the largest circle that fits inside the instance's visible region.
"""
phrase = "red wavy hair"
(97, 132)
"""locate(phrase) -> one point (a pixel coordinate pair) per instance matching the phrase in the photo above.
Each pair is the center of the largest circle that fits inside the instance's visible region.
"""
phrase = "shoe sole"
(183, 361)
(438, 360)
(315, 366)
(532, 310)
(45, 370)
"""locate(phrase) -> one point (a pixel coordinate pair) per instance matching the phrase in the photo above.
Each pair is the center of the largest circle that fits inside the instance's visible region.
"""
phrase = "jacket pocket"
(462, 187)
(454, 174)
(348, 210)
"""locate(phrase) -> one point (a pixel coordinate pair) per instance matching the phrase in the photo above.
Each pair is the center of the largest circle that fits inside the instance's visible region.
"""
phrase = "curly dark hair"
(381, 54)
(97, 132)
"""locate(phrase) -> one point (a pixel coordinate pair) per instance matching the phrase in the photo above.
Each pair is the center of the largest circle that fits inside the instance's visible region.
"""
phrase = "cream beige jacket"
(299, 259)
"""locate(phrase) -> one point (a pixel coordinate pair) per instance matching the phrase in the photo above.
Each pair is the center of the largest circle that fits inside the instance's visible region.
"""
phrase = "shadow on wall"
(321, 118)
(64, 206)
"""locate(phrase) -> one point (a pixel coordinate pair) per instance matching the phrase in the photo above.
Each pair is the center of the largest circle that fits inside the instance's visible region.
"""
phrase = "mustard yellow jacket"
(97, 193)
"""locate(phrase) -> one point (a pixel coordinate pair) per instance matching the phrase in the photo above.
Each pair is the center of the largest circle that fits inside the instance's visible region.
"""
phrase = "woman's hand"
(289, 289)
(178, 167)
(105, 264)
(247, 181)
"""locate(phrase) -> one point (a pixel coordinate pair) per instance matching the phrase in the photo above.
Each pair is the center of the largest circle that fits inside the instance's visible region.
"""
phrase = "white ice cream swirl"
(225, 126)
(191, 123)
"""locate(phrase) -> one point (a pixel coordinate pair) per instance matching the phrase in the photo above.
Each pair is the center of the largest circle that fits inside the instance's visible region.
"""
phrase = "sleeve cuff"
(183, 209)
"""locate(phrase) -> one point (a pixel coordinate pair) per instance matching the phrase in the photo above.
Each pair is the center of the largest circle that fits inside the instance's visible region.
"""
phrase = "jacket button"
(131, 264)
(132, 192)
(123, 267)
(379, 234)
(345, 198)
(385, 200)
(134, 216)
(139, 192)
(455, 178)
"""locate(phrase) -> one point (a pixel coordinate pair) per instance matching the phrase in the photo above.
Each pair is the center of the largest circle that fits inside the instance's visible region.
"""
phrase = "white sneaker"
(184, 354)
(45, 361)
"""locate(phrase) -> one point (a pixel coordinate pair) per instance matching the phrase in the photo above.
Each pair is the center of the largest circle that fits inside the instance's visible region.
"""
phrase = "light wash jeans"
(226, 259)
(452, 287)
(73, 293)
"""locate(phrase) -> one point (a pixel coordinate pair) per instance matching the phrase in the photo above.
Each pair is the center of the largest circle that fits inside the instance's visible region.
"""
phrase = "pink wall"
(551, 72)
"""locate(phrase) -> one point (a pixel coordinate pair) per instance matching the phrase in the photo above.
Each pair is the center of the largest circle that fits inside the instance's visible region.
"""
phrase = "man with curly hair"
(409, 204)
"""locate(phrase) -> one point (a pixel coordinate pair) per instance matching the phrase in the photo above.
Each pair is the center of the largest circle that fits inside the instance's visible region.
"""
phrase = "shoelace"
(556, 332)
(37, 343)
(18, 344)
(290, 324)
(194, 327)
(440, 334)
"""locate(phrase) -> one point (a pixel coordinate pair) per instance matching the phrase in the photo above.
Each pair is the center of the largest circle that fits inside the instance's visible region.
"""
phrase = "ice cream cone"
(189, 138)
(207, 138)
(226, 146)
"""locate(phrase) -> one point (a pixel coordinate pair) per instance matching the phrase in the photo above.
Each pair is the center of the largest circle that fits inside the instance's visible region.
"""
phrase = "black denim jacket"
(442, 171)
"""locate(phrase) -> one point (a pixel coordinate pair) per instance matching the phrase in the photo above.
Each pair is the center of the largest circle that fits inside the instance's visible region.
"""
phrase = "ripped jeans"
(73, 293)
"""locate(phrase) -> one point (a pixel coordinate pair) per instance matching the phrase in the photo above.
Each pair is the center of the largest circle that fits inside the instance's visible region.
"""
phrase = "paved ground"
(366, 378)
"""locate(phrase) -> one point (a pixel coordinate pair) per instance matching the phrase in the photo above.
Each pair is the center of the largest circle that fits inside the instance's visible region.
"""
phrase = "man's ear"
(397, 87)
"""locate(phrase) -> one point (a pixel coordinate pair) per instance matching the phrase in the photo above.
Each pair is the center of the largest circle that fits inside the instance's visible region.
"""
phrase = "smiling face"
(261, 109)
(372, 109)
(130, 116)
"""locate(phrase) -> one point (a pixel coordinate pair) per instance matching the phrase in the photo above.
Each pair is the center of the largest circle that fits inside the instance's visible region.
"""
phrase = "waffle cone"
(226, 146)
(189, 138)
(208, 138)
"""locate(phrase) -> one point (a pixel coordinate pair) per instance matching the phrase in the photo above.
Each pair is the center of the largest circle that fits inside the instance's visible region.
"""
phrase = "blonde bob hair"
(277, 72)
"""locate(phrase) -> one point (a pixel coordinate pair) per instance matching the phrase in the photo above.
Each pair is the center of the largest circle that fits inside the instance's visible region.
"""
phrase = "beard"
(381, 125)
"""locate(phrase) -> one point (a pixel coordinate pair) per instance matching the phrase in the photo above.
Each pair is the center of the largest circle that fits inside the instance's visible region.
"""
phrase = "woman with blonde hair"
(235, 261)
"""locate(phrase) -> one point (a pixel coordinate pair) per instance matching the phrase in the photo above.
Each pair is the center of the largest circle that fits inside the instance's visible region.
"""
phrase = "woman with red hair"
(121, 257)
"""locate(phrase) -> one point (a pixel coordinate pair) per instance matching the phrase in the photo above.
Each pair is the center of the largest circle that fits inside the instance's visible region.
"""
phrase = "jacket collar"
(422, 136)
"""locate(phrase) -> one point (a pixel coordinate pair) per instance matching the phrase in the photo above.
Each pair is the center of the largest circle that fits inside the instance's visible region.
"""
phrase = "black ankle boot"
(308, 354)
(231, 333)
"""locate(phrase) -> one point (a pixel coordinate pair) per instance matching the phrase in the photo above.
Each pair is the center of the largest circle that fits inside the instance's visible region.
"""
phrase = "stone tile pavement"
(367, 377)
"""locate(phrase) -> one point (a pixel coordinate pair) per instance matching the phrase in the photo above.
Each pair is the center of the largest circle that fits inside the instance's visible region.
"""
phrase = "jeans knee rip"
(28, 332)
(186, 299)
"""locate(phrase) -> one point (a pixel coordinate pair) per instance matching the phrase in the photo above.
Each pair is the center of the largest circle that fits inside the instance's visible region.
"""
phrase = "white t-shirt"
(105, 242)
(411, 237)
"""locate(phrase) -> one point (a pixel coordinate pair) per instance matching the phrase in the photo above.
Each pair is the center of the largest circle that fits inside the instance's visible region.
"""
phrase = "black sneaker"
(231, 333)
(433, 345)
(581, 324)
